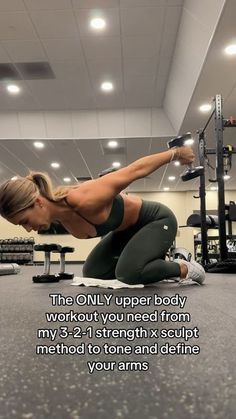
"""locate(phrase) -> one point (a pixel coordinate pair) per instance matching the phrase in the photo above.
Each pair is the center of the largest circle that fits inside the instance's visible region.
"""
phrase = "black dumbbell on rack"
(55, 248)
(62, 274)
(46, 276)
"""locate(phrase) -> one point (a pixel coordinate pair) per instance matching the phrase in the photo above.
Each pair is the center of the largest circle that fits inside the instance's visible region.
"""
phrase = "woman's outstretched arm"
(97, 192)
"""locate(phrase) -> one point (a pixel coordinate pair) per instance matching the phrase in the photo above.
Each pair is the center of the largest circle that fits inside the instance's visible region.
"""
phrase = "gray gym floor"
(55, 386)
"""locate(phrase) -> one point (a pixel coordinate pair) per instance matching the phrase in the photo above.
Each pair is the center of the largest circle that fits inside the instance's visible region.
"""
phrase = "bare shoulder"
(89, 196)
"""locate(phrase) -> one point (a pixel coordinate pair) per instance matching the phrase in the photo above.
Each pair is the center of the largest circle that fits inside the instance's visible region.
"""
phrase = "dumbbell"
(46, 277)
(192, 171)
(62, 274)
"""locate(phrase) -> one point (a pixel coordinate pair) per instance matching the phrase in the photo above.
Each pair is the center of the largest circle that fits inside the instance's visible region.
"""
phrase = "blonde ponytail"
(43, 183)
(21, 193)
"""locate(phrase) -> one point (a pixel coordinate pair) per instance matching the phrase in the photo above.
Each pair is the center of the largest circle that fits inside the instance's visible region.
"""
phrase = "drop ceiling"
(138, 52)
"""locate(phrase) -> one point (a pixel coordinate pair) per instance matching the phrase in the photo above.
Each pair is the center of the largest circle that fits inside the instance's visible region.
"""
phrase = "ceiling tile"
(24, 51)
(160, 91)
(142, 21)
(48, 93)
(142, 3)
(69, 70)
(12, 5)
(63, 49)
(58, 125)
(32, 124)
(104, 71)
(4, 57)
(25, 100)
(25, 156)
(16, 26)
(101, 48)
(138, 99)
(140, 67)
(78, 94)
(140, 47)
(111, 17)
(9, 125)
(137, 88)
(175, 2)
(91, 4)
(170, 30)
(136, 128)
(164, 64)
(47, 4)
(9, 160)
(93, 157)
(68, 152)
(107, 120)
(85, 124)
(55, 24)
(111, 100)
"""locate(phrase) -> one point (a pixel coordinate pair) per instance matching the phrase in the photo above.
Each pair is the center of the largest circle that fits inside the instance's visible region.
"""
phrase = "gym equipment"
(46, 277)
(192, 171)
(223, 163)
(232, 211)
(194, 220)
(62, 251)
(182, 253)
(9, 268)
(17, 250)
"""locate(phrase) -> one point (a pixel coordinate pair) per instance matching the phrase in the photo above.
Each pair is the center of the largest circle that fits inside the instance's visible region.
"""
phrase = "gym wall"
(182, 203)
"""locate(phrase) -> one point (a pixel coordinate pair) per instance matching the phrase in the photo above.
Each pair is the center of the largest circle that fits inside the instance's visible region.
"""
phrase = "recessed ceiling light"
(38, 144)
(189, 142)
(67, 179)
(107, 86)
(205, 108)
(177, 163)
(171, 178)
(13, 88)
(14, 178)
(230, 49)
(55, 165)
(226, 177)
(116, 164)
(166, 189)
(98, 23)
(112, 144)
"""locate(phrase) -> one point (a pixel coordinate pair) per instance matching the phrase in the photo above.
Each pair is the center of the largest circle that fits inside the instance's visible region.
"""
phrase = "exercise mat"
(115, 284)
(102, 283)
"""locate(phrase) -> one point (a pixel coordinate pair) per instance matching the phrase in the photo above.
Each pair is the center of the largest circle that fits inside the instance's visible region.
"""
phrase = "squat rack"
(220, 125)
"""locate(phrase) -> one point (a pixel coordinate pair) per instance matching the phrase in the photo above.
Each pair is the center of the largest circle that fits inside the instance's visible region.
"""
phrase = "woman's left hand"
(184, 155)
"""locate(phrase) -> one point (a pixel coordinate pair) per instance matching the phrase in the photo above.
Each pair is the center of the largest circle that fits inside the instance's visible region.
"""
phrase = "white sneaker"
(182, 253)
(195, 271)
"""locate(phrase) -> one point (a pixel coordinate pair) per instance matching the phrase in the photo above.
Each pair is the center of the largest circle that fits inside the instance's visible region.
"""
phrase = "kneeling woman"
(137, 233)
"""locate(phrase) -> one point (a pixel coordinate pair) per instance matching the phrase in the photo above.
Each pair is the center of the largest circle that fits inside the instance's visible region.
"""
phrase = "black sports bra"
(114, 220)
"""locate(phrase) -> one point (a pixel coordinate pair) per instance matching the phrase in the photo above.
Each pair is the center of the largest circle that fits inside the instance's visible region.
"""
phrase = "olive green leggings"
(137, 254)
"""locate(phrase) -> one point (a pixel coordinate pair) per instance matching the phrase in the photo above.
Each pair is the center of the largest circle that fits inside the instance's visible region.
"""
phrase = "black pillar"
(220, 176)
(202, 194)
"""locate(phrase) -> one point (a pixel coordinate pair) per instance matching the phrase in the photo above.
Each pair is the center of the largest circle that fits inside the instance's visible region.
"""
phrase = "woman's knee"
(127, 275)
(88, 271)
(98, 270)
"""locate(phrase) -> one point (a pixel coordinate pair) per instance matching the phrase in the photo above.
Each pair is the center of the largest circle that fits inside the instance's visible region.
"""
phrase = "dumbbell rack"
(213, 247)
(17, 250)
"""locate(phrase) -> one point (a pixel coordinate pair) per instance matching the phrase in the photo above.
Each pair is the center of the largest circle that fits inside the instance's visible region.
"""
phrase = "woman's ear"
(39, 202)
